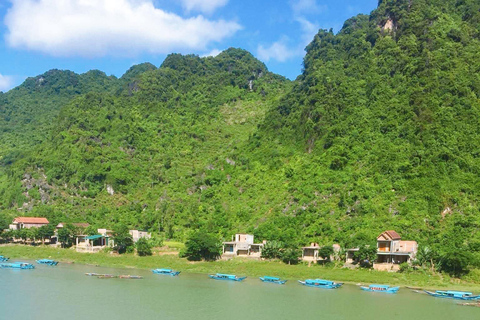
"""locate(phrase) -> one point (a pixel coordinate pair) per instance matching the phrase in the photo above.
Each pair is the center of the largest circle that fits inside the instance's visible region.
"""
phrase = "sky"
(113, 35)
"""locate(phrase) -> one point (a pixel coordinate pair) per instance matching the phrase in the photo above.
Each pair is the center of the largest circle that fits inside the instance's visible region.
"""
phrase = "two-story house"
(242, 245)
(392, 251)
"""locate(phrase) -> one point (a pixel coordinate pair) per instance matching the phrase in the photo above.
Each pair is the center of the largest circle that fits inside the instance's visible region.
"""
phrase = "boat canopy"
(455, 293)
(319, 282)
(165, 270)
(383, 286)
(271, 278)
(226, 275)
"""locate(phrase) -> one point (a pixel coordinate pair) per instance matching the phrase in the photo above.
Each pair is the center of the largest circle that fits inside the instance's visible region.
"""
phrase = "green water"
(64, 292)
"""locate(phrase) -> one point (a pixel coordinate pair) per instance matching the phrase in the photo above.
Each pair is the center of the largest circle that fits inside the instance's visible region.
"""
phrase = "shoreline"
(239, 266)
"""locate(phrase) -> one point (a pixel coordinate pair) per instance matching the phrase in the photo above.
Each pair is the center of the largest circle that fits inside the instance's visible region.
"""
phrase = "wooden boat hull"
(273, 281)
(17, 266)
(47, 262)
(130, 277)
(227, 279)
(334, 286)
(168, 273)
(436, 295)
(389, 290)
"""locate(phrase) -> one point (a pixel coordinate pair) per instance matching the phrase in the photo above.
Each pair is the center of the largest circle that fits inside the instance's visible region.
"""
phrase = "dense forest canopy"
(380, 131)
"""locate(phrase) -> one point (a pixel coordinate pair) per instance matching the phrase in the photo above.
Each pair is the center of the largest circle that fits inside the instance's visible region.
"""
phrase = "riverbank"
(247, 267)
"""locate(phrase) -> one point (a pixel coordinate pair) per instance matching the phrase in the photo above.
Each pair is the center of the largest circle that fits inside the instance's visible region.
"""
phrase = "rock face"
(110, 190)
(389, 26)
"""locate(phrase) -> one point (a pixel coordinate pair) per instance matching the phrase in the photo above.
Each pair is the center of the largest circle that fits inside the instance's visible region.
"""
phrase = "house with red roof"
(393, 251)
(28, 222)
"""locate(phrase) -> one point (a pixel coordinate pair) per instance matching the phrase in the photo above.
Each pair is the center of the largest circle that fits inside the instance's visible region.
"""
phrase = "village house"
(242, 245)
(27, 223)
(94, 243)
(392, 251)
(137, 235)
(311, 253)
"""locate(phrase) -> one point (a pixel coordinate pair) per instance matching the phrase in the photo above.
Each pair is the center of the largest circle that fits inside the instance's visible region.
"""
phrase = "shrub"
(272, 250)
(144, 247)
(291, 255)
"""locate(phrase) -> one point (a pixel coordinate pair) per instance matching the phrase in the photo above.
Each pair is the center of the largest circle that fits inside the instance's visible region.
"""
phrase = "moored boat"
(17, 265)
(4, 259)
(48, 262)
(165, 271)
(230, 277)
(130, 277)
(273, 280)
(320, 283)
(460, 295)
(106, 276)
(380, 288)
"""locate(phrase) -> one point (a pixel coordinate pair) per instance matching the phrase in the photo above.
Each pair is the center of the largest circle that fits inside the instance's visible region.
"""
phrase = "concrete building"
(94, 243)
(311, 253)
(392, 251)
(242, 245)
(27, 223)
(137, 235)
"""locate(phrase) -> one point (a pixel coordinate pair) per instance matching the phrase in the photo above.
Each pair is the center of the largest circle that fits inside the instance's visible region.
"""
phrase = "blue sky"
(113, 35)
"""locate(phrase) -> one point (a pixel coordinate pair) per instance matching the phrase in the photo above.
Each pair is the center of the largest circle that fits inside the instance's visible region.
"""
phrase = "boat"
(4, 259)
(48, 262)
(460, 295)
(380, 288)
(169, 272)
(130, 277)
(221, 276)
(92, 274)
(320, 283)
(272, 280)
(17, 265)
(106, 276)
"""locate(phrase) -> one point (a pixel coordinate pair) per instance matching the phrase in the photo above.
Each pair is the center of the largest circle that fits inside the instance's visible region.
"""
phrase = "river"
(64, 292)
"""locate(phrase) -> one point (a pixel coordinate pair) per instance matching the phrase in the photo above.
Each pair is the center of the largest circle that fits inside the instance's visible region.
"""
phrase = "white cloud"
(307, 7)
(309, 29)
(206, 6)
(107, 27)
(6, 83)
(213, 53)
(279, 51)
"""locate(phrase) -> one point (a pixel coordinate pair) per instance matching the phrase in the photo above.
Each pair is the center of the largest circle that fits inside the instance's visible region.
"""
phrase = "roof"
(94, 237)
(389, 235)
(31, 220)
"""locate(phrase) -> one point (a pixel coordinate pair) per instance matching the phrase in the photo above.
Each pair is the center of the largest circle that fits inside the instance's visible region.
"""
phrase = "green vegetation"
(202, 246)
(381, 131)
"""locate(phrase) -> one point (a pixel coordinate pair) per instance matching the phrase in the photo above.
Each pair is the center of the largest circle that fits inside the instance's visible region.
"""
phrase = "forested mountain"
(381, 131)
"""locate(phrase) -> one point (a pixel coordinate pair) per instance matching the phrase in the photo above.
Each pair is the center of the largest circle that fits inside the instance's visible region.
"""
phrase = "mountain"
(379, 132)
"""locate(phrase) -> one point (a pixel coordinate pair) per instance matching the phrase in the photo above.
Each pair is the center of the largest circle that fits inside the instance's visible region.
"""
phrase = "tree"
(123, 239)
(144, 247)
(201, 245)
(272, 250)
(65, 235)
(366, 255)
(325, 252)
(455, 261)
(45, 232)
(291, 255)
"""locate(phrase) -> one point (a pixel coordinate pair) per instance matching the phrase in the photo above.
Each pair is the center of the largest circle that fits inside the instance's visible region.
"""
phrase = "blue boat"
(17, 265)
(230, 277)
(460, 295)
(47, 262)
(273, 280)
(4, 259)
(380, 288)
(169, 272)
(320, 283)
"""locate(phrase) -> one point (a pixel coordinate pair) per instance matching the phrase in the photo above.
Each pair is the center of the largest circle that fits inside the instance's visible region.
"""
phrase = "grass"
(248, 267)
